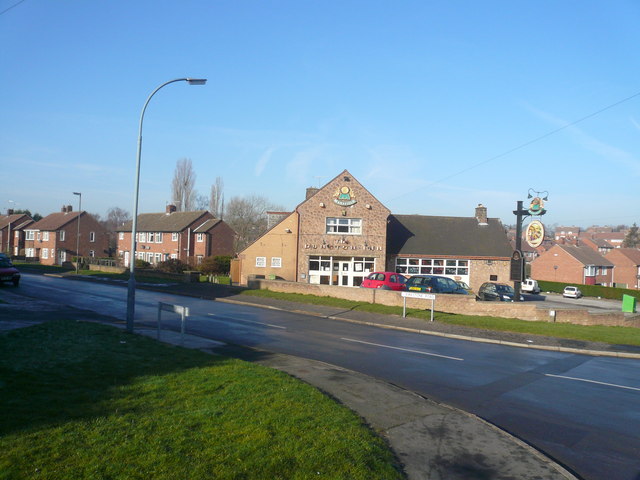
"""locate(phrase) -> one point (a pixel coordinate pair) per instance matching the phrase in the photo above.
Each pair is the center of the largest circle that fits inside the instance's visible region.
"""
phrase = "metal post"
(519, 213)
(78, 235)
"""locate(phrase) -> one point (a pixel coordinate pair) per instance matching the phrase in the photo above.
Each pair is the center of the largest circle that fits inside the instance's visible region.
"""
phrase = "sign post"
(425, 296)
(183, 311)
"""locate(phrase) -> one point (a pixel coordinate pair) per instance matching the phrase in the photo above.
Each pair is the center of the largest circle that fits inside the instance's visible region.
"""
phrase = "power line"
(12, 6)
(523, 145)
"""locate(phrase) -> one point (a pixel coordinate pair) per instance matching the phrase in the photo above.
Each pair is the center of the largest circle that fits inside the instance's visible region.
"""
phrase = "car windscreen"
(5, 263)
(504, 289)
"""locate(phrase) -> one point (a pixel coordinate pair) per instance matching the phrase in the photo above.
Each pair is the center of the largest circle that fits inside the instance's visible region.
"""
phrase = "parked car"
(530, 286)
(434, 284)
(496, 292)
(384, 281)
(465, 286)
(571, 292)
(8, 273)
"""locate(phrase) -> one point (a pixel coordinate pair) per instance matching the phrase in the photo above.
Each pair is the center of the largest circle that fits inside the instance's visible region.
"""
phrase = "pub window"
(261, 262)
(344, 226)
(276, 262)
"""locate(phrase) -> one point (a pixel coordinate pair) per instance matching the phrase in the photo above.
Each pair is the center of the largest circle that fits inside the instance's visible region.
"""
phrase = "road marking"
(251, 321)
(402, 349)
(593, 381)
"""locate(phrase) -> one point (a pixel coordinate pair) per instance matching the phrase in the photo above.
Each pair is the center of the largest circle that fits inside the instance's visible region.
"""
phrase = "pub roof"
(447, 236)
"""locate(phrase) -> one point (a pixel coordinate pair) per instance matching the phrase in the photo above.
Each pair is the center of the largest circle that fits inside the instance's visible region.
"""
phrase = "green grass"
(88, 401)
(593, 333)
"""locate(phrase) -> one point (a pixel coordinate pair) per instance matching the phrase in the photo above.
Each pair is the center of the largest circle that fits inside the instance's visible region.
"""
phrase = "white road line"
(593, 381)
(403, 349)
(251, 321)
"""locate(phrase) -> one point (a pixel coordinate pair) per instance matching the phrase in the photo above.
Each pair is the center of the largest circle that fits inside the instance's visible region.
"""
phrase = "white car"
(571, 292)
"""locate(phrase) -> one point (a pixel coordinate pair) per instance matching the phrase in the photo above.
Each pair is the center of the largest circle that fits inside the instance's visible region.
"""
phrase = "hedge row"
(589, 290)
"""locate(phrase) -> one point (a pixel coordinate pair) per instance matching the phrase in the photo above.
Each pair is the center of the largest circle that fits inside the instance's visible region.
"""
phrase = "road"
(580, 410)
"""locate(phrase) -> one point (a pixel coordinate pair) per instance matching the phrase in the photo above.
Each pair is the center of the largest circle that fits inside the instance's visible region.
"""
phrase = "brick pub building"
(340, 233)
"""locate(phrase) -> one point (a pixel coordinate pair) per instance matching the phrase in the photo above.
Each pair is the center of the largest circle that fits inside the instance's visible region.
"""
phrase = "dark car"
(8, 273)
(384, 281)
(496, 292)
(434, 284)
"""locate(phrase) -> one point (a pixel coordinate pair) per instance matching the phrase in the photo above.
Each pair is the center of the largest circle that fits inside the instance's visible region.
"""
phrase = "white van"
(530, 286)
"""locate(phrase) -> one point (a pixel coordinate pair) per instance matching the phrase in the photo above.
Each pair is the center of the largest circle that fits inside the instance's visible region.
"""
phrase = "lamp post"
(131, 286)
(78, 235)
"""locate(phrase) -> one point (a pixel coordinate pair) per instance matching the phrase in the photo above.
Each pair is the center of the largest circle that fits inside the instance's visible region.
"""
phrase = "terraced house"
(185, 236)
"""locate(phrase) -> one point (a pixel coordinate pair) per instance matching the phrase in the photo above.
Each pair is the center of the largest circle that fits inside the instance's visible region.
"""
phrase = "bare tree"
(216, 199)
(116, 216)
(182, 191)
(248, 217)
(201, 202)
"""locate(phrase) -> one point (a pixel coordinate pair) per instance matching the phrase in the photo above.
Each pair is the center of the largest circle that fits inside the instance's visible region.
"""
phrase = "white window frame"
(158, 257)
(92, 236)
(589, 270)
(45, 253)
(199, 237)
(92, 253)
(45, 236)
(151, 237)
(62, 235)
(261, 262)
(276, 262)
(343, 226)
(175, 236)
(30, 252)
(447, 267)
(30, 235)
(120, 235)
(158, 237)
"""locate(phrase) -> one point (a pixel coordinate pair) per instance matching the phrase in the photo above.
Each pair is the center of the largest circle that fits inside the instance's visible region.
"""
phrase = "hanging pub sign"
(536, 207)
(534, 234)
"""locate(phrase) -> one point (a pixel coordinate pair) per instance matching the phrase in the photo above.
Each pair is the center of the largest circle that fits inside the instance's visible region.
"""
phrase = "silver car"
(571, 292)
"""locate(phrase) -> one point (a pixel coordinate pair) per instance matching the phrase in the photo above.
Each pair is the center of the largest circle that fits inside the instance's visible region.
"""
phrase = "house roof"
(17, 220)
(632, 254)
(455, 236)
(55, 221)
(207, 225)
(586, 255)
(164, 222)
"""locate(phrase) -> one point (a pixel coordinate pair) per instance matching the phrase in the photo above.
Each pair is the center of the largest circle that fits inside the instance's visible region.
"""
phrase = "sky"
(434, 106)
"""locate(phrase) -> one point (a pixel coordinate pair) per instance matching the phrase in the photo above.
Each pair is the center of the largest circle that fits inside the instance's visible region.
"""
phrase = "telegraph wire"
(12, 6)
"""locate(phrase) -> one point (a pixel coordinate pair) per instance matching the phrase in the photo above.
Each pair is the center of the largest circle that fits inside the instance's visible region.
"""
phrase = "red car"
(384, 281)
(8, 273)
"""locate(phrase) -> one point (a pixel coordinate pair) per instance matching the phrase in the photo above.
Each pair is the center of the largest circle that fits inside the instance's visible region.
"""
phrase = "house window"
(92, 253)
(62, 235)
(39, 236)
(29, 252)
(158, 257)
(142, 237)
(174, 236)
(276, 262)
(45, 236)
(158, 237)
(174, 256)
(30, 235)
(344, 226)
(200, 237)
(150, 257)
(92, 236)
(150, 237)
(199, 259)
(45, 253)
(121, 236)
(590, 270)
(261, 262)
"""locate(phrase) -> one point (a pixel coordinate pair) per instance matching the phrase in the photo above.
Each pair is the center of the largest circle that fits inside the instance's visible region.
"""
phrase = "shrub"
(173, 265)
(142, 263)
(216, 265)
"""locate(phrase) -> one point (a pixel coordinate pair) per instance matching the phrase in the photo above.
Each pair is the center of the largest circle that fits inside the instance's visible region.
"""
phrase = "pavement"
(431, 440)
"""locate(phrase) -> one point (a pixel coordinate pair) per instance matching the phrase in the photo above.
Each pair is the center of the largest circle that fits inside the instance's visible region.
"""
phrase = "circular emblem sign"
(534, 234)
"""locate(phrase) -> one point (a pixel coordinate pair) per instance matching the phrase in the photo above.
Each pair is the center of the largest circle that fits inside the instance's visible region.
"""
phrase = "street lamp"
(78, 236)
(131, 286)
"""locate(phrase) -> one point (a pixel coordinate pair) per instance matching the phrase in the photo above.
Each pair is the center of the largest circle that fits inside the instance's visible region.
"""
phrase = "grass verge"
(592, 333)
(83, 400)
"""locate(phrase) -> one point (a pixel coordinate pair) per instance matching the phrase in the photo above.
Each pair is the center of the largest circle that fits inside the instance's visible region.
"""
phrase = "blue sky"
(435, 106)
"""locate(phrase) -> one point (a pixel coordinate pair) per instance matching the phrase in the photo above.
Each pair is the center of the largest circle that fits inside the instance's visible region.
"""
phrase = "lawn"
(592, 333)
(83, 400)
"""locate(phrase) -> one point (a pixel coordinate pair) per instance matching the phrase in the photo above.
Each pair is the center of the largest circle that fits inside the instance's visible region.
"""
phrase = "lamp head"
(196, 81)
(77, 193)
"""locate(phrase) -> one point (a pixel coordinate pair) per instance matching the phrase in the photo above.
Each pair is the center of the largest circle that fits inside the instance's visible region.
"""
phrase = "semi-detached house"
(186, 236)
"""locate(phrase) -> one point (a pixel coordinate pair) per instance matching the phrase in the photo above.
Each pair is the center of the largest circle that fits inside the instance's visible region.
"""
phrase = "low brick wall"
(106, 268)
(457, 304)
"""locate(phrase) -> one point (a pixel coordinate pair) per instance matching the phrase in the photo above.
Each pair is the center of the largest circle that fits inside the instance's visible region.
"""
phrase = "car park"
(571, 292)
(434, 284)
(496, 292)
(385, 281)
(8, 273)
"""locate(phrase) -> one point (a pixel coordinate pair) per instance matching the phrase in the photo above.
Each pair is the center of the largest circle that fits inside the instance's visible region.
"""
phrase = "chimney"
(311, 191)
(64, 209)
(171, 209)
(481, 214)
(69, 209)
(9, 211)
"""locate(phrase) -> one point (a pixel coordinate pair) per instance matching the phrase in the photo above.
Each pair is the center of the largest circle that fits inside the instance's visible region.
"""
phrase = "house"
(185, 236)
(627, 267)
(571, 264)
(340, 233)
(54, 239)
(567, 235)
(598, 244)
(12, 226)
